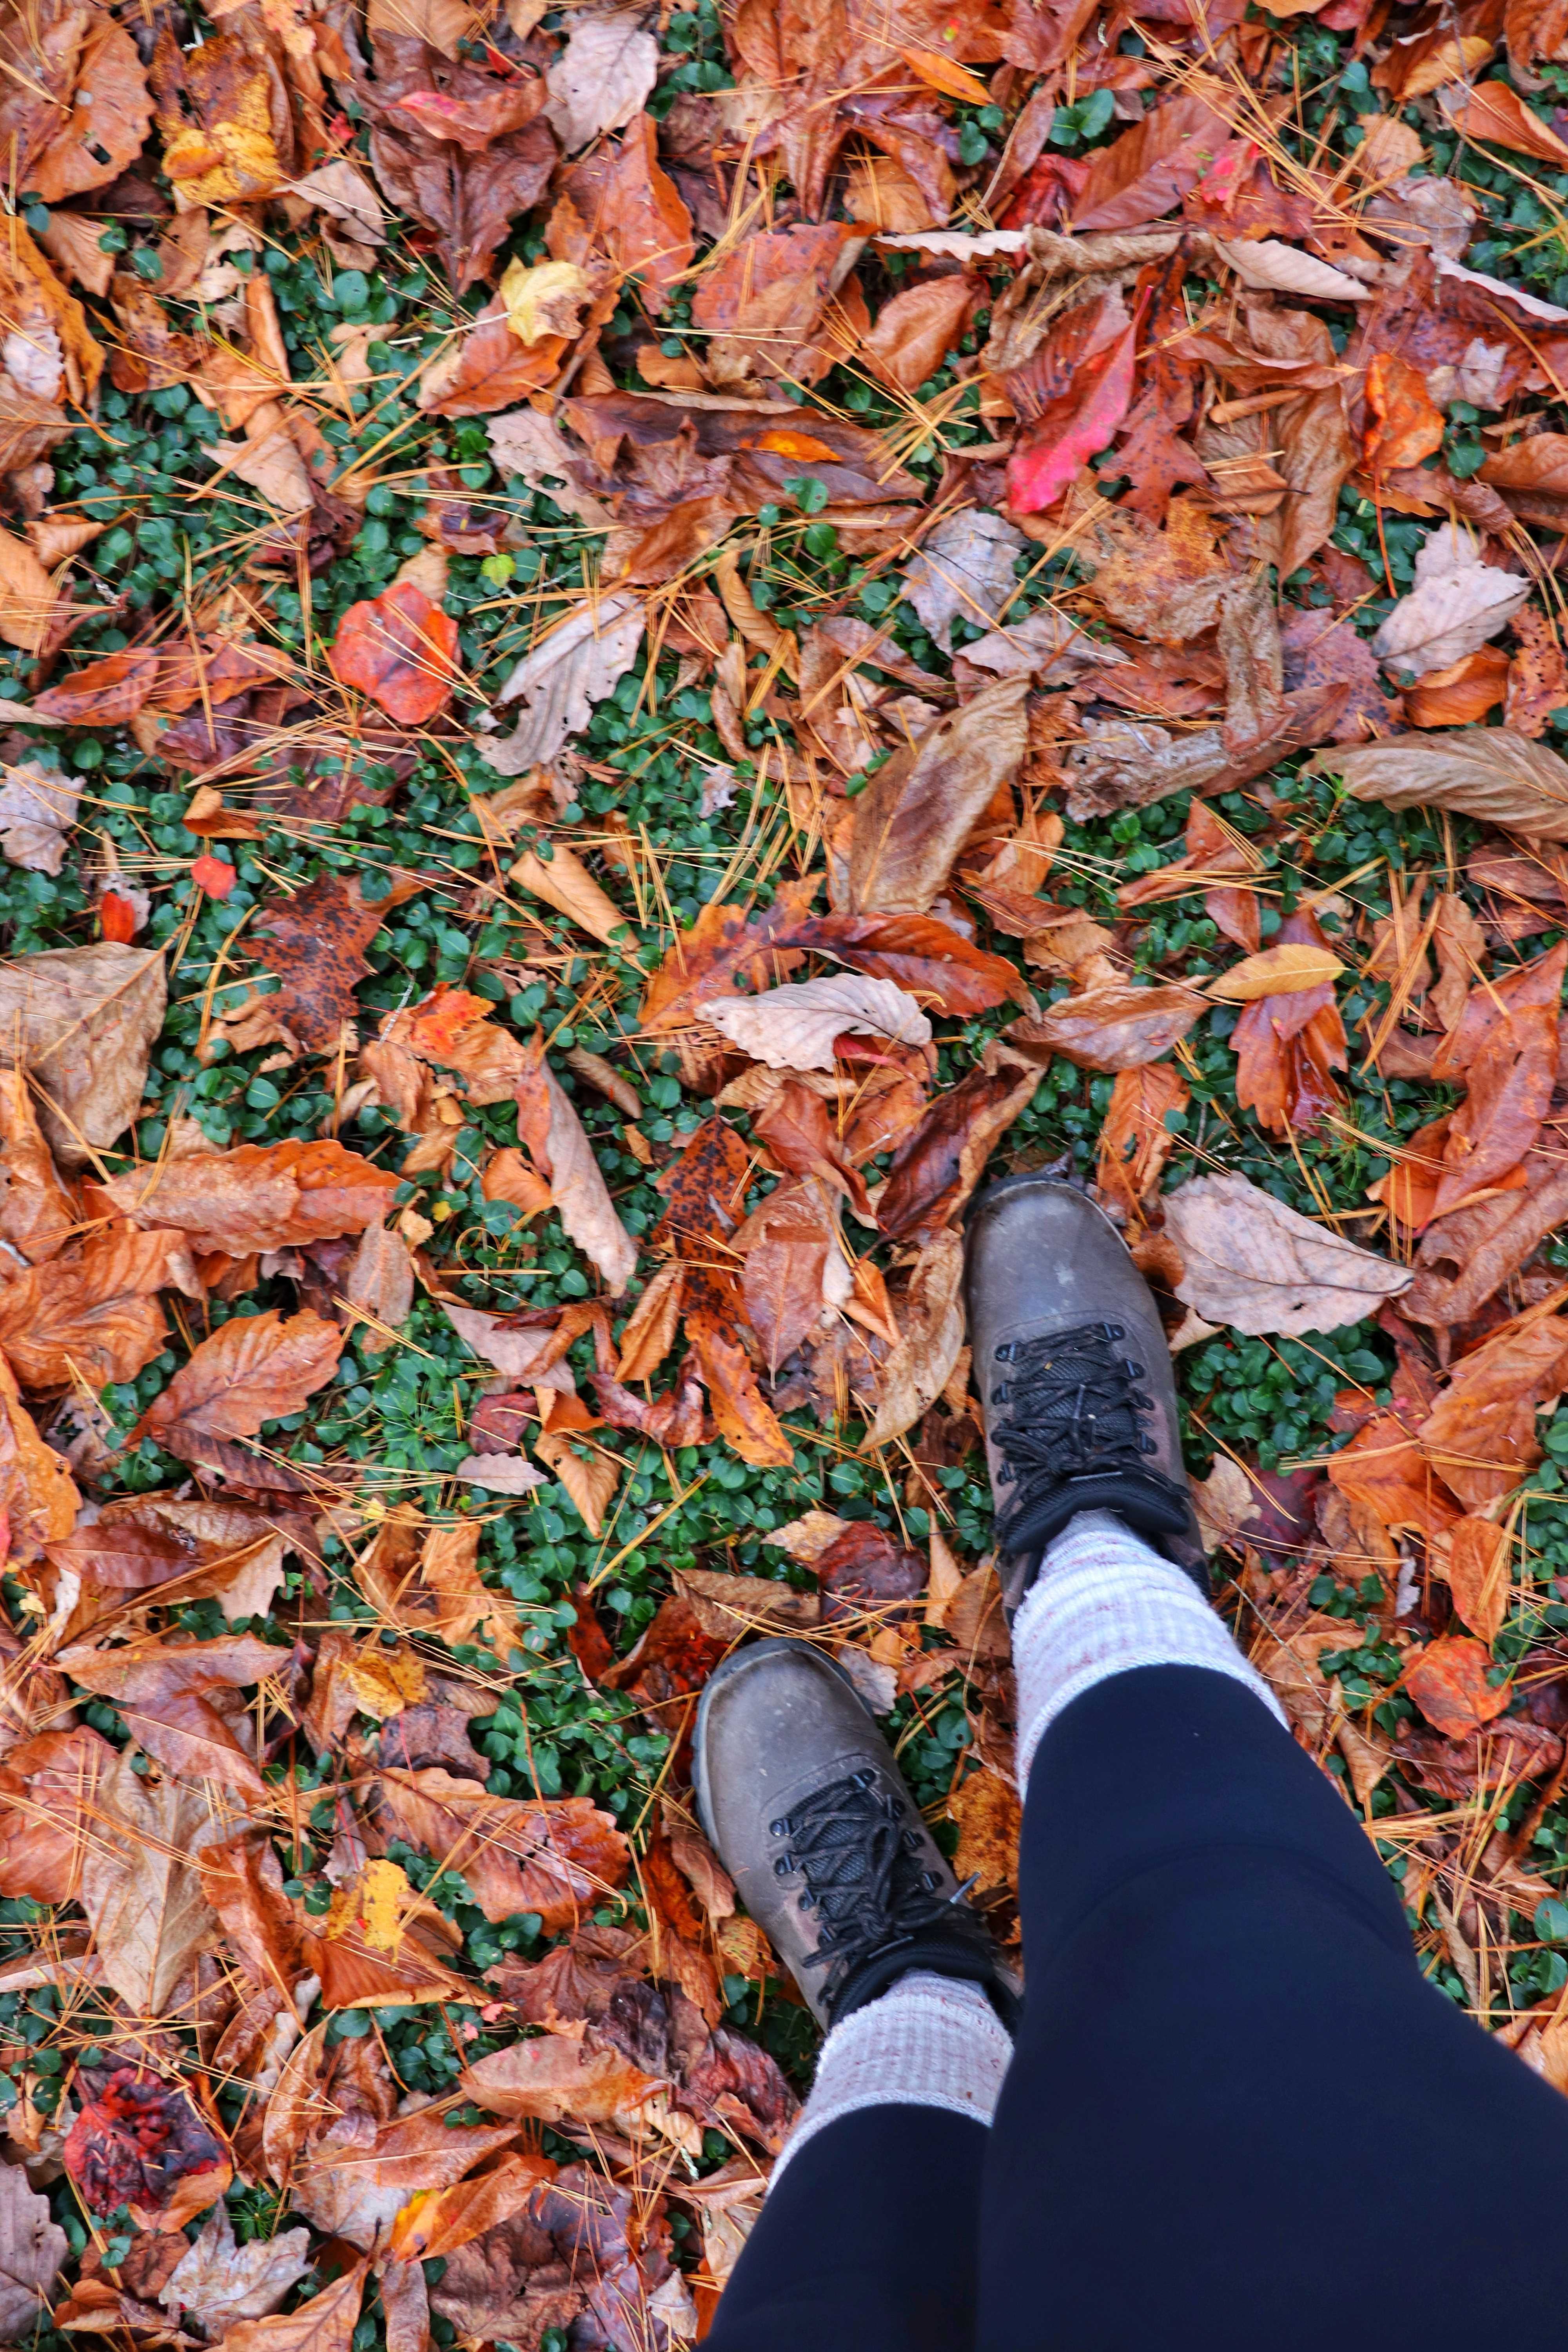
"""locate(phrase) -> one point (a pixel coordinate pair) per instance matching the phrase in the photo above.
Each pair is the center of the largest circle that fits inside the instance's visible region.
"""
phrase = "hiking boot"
(801, 1801)
(1075, 1380)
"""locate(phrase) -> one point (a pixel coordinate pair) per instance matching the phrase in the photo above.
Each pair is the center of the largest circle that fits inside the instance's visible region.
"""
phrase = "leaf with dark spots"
(315, 943)
(137, 2142)
(705, 1189)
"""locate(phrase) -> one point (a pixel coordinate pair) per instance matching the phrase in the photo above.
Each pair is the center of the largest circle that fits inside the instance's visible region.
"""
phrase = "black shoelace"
(865, 1874)
(1073, 1407)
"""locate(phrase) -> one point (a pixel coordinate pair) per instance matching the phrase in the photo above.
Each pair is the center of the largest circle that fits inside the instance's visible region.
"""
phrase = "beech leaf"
(1250, 1262)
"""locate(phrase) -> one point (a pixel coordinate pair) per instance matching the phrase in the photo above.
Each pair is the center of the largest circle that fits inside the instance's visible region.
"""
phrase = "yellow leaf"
(384, 1682)
(383, 1891)
(545, 301)
(1277, 972)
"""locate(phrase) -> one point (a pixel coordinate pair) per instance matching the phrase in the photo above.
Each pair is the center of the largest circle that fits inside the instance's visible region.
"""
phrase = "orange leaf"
(1409, 423)
(400, 650)
(216, 876)
(1477, 1561)
(116, 918)
(1448, 1683)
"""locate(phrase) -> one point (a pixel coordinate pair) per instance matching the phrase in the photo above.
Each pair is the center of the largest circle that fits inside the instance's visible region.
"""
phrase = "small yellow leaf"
(383, 1891)
(1277, 972)
(384, 1682)
(545, 301)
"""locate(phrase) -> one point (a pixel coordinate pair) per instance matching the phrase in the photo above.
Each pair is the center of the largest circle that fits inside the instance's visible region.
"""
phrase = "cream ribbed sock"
(929, 2043)
(1103, 1601)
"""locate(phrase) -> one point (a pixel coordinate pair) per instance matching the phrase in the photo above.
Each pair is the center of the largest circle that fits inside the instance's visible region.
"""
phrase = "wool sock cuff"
(929, 2043)
(1102, 1603)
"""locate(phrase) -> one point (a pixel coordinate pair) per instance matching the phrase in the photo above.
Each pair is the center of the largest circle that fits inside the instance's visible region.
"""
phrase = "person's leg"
(869, 2240)
(1237, 2113)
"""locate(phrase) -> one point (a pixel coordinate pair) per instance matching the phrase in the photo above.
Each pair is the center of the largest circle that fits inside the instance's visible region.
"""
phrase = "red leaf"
(134, 2140)
(1073, 394)
(116, 918)
(213, 875)
(400, 650)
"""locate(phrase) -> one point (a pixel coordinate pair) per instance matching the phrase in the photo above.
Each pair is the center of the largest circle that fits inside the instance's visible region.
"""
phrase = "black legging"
(1237, 2115)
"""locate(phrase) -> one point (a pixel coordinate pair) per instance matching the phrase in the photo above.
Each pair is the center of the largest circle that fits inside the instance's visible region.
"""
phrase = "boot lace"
(1075, 1406)
(853, 1844)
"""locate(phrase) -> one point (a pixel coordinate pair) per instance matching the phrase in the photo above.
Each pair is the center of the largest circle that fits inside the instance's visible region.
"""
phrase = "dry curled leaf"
(1249, 1261)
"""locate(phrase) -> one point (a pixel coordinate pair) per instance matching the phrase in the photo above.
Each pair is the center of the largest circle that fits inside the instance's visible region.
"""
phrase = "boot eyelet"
(1004, 1352)
(927, 1880)
(778, 1829)
(999, 1396)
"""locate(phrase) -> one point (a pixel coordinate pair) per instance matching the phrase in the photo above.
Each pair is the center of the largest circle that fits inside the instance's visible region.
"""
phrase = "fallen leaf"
(582, 658)
(137, 2142)
(990, 1820)
(93, 1309)
(793, 1028)
(1070, 396)
(930, 1335)
(1473, 1555)
(325, 2324)
(918, 810)
(1147, 170)
(1448, 1681)
(252, 1369)
(32, 2249)
(1136, 1139)
(82, 1021)
(556, 1857)
(140, 1887)
(400, 650)
(1275, 971)
(939, 1164)
(37, 809)
(1113, 1025)
(601, 78)
(315, 943)
(556, 2079)
(1487, 772)
(259, 1196)
(963, 570)
(1408, 423)
(1250, 1262)
(1456, 604)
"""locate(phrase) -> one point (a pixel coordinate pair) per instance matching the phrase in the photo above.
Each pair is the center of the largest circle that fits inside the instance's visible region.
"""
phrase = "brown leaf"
(723, 948)
(38, 1494)
(315, 943)
(797, 1026)
(936, 1168)
(938, 965)
(220, 2282)
(629, 204)
(32, 2249)
(1480, 1437)
(1135, 1141)
(930, 1337)
(1487, 772)
(140, 1888)
(557, 1856)
(252, 1369)
(242, 1881)
(1147, 171)
(461, 149)
(916, 327)
(435, 2225)
(37, 1216)
(989, 1819)
(1251, 1262)
(48, 1789)
(919, 809)
(1537, 676)
(746, 1423)
(325, 2323)
(764, 302)
(864, 1572)
(82, 1022)
(1385, 1473)
(93, 1310)
(1510, 1079)
(1448, 1681)
(651, 1326)
(172, 1700)
(1113, 1025)
(1475, 1556)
